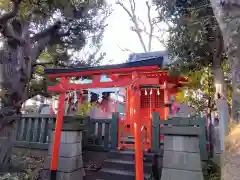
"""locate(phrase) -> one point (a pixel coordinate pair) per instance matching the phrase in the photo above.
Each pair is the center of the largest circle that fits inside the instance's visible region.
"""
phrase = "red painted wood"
(95, 84)
(58, 130)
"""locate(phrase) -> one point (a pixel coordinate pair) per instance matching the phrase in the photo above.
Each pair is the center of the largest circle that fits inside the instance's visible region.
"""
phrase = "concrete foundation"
(181, 158)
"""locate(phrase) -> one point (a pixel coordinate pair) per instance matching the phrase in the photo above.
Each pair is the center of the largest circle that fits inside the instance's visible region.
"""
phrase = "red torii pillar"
(135, 104)
(58, 130)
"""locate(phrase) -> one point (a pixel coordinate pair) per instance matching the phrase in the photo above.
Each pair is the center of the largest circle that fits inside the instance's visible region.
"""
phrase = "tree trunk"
(227, 13)
(221, 102)
(13, 89)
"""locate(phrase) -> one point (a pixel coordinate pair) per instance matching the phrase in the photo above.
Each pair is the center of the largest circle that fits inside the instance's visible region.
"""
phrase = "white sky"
(118, 34)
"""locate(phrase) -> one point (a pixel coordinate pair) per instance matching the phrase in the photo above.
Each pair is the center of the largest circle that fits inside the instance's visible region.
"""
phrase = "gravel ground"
(28, 168)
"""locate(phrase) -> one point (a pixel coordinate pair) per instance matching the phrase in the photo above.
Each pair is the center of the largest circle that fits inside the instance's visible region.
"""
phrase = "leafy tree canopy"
(59, 29)
(192, 34)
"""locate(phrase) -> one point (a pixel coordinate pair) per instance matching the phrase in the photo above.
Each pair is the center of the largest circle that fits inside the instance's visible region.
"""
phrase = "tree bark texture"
(17, 57)
(227, 13)
(13, 84)
(221, 102)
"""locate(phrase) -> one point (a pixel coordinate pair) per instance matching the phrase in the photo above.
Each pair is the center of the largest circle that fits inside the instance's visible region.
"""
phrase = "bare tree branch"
(143, 24)
(155, 36)
(133, 17)
(39, 47)
(151, 26)
(47, 32)
(133, 5)
(10, 32)
(125, 49)
(43, 38)
(7, 16)
(140, 27)
(43, 63)
(125, 9)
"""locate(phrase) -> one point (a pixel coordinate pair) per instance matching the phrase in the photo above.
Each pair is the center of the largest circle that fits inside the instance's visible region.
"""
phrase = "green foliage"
(192, 34)
(85, 107)
(211, 171)
(82, 26)
(199, 90)
(194, 38)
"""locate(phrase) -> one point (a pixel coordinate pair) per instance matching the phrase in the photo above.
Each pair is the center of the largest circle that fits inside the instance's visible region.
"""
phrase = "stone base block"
(182, 160)
(181, 130)
(181, 143)
(68, 150)
(173, 174)
(65, 164)
(69, 137)
(75, 175)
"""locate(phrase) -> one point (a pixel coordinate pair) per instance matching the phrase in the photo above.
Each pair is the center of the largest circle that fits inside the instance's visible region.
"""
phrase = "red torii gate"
(136, 76)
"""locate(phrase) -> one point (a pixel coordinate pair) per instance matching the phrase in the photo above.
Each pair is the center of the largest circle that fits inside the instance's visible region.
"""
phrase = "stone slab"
(76, 175)
(179, 130)
(68, 150)
(175, 174)
(65, 164)
(69, 137)
(74, 127)
(182, 160)
(181, 143)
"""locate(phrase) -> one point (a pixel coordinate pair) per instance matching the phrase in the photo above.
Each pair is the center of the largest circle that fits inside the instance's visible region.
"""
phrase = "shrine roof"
(148, 62)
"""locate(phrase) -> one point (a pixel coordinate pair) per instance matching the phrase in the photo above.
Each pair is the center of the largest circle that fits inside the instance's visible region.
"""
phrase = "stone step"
(108, 174)
(119, 164)
(127, 140)
(129, 155)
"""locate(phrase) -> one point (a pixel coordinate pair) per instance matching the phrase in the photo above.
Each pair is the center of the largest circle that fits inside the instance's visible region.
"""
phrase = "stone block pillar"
(181, 158)
(70, 163)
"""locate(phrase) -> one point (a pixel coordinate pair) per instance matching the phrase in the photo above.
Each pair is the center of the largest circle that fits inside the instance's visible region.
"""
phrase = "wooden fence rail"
(34, 132)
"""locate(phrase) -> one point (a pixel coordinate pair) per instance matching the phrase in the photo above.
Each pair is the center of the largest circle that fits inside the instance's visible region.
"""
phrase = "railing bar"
(25, 127)
(18, 129)
(106, 136)
(101, 120)
(41, 138)
(99, 132)
(52, 123)
(29, 130)
(45, 138)
(35, 129)
(38, 129)
(38, 116)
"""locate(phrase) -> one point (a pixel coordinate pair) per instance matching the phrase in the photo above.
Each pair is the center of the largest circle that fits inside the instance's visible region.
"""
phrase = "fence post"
(114, 130)
(202, 139)
(155, 131)
(106, 137)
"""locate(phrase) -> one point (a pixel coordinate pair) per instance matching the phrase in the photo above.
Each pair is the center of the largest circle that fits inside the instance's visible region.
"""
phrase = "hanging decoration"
(145, 92)
(116, 101)
(158, 92)
(89, 96)
(164, 85)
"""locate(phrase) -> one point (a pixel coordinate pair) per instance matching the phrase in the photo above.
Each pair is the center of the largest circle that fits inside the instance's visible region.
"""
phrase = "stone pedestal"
(70, 163)
(181, 158)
